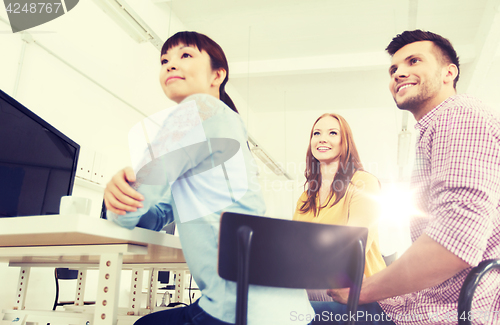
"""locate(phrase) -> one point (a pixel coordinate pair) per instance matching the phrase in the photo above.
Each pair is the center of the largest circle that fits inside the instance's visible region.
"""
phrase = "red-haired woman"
(337, 190)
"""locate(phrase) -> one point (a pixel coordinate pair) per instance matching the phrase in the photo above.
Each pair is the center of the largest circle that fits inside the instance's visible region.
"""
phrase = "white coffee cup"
(75, 205)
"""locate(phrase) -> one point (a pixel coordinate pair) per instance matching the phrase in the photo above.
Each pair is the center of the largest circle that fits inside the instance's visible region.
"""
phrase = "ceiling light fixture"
(258, 151)
(129, 21)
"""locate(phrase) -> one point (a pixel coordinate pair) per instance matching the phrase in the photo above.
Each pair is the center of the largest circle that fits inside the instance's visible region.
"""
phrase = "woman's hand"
(119, 196)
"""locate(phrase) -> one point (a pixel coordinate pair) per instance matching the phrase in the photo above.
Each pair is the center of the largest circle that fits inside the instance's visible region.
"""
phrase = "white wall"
(79, 108)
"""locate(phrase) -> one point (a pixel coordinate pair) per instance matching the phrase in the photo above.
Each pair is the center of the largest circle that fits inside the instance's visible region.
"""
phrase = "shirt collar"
(424, 122)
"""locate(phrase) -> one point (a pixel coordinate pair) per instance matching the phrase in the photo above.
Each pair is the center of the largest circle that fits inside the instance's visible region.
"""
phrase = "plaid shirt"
(456, 181)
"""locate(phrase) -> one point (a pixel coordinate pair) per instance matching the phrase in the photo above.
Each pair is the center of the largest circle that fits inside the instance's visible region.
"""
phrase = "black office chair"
(469, 287)
(62, 273)
(290, 254)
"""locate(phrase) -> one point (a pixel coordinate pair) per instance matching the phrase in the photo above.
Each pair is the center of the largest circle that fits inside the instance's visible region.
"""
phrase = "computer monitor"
(37, 162)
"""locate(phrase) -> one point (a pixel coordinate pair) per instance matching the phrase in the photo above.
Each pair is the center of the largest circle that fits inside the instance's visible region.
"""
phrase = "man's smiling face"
(417, 76)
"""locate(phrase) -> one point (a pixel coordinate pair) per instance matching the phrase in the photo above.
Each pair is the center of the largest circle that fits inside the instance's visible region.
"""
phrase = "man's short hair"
(446, 51)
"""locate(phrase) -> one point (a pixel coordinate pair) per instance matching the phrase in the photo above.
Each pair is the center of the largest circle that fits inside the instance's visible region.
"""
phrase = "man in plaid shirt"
(456, 182)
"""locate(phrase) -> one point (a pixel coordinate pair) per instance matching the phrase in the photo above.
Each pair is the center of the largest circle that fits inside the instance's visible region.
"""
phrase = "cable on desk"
(62, 273)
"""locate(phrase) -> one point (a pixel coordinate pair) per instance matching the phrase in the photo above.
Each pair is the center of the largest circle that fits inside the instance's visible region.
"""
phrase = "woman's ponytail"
(227, 100)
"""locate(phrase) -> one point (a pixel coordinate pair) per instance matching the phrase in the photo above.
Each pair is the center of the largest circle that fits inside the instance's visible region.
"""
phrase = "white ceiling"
(307, 51)
(291, 57)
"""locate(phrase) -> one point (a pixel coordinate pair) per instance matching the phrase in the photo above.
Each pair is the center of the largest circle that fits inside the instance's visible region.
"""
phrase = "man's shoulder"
(465, 109)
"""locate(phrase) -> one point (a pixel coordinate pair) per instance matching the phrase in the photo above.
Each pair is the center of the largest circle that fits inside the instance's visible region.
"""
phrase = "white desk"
(79, 241)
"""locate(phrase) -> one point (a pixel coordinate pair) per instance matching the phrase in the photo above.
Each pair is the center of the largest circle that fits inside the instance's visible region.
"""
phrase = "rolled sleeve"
(464, 183)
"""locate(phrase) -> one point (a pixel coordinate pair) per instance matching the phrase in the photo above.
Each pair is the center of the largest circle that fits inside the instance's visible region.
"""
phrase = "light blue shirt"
(205, 176)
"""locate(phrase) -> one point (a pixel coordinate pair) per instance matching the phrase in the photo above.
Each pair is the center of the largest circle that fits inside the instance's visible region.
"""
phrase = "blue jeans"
(190, 315)
(328, 312)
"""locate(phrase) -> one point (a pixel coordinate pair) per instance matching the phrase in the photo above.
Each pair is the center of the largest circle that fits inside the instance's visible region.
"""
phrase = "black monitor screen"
(37, 162)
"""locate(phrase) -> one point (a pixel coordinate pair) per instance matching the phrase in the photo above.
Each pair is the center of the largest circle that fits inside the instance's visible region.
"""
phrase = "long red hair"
(349, 163)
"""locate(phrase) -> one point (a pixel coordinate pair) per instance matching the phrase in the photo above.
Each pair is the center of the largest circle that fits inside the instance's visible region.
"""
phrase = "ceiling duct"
(129, 21)
(260, 153)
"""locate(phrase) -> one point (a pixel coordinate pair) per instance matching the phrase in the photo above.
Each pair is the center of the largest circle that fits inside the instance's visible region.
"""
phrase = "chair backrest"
(469, 287)
(291, 254)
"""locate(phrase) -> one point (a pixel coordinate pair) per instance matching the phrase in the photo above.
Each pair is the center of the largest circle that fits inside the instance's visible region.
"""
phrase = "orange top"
(359, 207)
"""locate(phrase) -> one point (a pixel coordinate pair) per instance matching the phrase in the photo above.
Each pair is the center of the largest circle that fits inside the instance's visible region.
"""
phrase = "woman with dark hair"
(217, 57)
(337, 190)
(205, 168)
